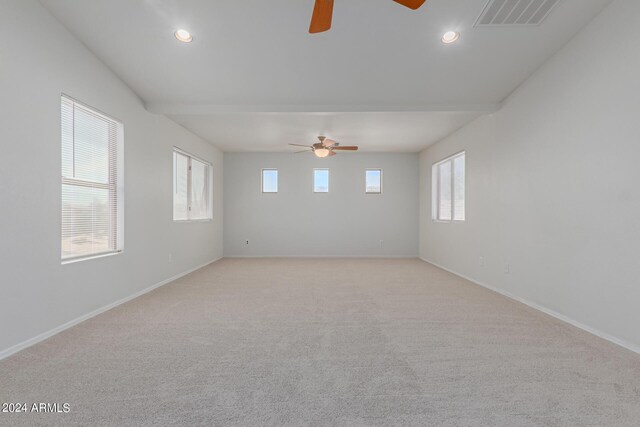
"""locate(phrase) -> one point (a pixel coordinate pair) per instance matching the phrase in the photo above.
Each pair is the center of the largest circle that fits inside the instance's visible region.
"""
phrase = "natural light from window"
(448, 189)
(92, 188)
(192, 182)
(373, 181)
(269, 180)
(321, 180)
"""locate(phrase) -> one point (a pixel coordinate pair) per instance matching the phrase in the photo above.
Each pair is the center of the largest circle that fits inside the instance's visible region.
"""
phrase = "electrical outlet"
(507, 268)
(170, 257)
(481, 261)
(246, 242)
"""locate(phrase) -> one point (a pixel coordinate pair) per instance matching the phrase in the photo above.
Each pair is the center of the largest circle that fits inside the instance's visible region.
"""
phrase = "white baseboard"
(43, 336)
(326, 256)
(622, 343)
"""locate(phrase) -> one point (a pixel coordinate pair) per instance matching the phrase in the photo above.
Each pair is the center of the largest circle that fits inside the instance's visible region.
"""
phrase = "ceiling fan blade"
(321, 18)
(300, 145)
(331, 153)
(411, 4)
(303, 151)
(347, 148)
(329, 143)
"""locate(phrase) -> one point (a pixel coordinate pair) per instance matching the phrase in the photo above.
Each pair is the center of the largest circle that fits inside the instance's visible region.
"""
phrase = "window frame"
(115, 186)
(262, 171)
(435, 188)
(365, 180)
(208, 181)
(328, 181)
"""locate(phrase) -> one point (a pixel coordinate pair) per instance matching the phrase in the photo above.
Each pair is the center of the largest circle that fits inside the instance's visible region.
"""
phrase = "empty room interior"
(349, 213)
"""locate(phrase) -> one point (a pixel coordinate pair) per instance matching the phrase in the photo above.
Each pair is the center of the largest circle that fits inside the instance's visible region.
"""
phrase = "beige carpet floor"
(298, 342)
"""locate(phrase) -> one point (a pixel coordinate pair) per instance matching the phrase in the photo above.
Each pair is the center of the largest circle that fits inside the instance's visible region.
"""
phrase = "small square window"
(269, 180)
(373, 181)
(321, 180)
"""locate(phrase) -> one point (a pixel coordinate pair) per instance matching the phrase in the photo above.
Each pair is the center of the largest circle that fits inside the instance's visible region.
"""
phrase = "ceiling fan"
(323, 12)
(325, 148)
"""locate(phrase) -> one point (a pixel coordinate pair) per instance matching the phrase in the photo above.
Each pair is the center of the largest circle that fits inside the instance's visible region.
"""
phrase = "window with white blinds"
(192, 183)
(448, 189)
(92, 187)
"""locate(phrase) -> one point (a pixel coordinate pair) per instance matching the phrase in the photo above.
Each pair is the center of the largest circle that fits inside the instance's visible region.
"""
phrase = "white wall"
(39, 59)
(297, 222)
(552, 185)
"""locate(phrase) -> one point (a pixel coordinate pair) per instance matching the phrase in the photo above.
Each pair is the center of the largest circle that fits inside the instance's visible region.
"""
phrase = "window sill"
(192, 220)
(88, 257)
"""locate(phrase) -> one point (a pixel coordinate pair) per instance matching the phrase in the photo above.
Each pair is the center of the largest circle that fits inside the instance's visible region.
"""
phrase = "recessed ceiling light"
(450, 37)
(184, 36)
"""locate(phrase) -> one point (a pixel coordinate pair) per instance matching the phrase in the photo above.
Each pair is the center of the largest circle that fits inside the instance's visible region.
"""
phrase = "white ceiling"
(396, 131)
(381, 75)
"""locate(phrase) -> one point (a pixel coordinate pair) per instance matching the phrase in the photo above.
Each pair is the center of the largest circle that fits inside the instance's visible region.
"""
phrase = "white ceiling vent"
(515, 12)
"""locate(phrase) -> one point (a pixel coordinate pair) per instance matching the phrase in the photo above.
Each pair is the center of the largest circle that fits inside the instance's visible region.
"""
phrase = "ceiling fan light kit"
(321, 152)
(323, 13)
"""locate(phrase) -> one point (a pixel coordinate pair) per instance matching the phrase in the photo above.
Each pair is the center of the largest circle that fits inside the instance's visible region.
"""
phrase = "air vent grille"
(515, 12)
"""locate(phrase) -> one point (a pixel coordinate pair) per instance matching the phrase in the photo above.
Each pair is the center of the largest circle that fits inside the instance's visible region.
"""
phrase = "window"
(92, 184)
(192, 183)
(373, 181)
(269, 180)
(448, 189)
(321, 180)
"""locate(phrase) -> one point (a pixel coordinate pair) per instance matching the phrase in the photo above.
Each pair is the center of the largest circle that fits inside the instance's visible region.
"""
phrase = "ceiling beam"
(208, 109)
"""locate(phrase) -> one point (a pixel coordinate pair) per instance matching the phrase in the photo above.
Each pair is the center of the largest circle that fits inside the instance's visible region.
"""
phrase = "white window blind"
(458, 187)
(192, 184)
(448, 190)
(91, 182)
(444, 191)
(180, 187)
